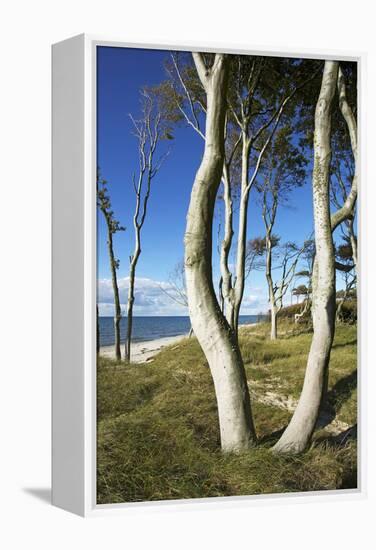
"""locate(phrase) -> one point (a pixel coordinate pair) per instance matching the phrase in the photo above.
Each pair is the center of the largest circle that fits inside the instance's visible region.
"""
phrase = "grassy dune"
(158, 434)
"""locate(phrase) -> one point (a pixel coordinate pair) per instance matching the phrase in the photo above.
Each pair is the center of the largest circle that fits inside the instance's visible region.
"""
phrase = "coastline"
(143, 352)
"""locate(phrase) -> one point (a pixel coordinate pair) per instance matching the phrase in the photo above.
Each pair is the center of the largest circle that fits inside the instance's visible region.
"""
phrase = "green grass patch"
(158, 434)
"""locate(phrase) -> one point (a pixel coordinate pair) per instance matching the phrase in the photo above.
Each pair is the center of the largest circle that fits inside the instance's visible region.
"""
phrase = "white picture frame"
(74, 277)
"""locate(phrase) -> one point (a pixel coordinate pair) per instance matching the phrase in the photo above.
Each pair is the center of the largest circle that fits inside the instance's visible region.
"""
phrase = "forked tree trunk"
(210, 326)
(233, 291)
(299, 316)
(226, 290)
(300, 429)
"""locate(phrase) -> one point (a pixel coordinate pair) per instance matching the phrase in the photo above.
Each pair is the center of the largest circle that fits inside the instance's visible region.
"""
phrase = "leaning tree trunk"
(215, 336)
(300, 315)
(300, 429)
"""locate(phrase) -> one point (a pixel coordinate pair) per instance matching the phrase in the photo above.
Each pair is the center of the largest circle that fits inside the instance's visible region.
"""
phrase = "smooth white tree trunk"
(273, 324)
(210, 326)
(298, 433)
(132, 277)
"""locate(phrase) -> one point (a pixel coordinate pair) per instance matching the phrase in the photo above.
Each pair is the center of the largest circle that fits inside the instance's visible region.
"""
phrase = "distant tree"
(286, 256)
(149, 130)
(300, 290)
(255, 253)
(113, 227)
(345, 264)
(308, 256)
(340, 189)
(284, 170)
(176, 289)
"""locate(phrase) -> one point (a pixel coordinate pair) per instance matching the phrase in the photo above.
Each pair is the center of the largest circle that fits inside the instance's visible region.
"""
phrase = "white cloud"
(255, 300)
(150, 298)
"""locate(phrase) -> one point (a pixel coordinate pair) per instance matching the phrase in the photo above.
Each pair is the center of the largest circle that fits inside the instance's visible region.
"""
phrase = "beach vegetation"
(158, 431)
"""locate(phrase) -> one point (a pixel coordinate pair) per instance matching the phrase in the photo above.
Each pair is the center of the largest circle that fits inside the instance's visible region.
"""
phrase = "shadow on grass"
(270, 439)
(341, 391)
(345, 344)
(336, 397)
(343, 437)
(340, 441)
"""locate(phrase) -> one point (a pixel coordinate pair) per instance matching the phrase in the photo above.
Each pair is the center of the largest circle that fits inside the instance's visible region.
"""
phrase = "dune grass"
(158, 435)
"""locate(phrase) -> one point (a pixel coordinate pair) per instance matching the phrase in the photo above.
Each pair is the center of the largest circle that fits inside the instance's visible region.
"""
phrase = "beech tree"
(113, 227)
(149, 130)
(288, 260)
(217, 341)
(261, 95)
(259, 256)
(284, 169)
(300, 290)
(299, 431)
(260, 92)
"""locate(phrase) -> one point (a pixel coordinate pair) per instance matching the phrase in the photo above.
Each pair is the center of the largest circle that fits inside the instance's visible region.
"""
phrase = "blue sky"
(121, 72)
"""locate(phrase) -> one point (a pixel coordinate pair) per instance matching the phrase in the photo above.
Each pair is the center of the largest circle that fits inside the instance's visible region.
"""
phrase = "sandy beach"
(142, 352)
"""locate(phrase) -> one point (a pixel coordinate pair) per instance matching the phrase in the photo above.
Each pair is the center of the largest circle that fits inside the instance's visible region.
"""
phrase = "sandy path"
(331, 425)
(141, 352)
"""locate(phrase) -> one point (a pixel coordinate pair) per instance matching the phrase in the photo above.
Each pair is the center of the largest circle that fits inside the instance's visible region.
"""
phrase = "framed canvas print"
(206, 274)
